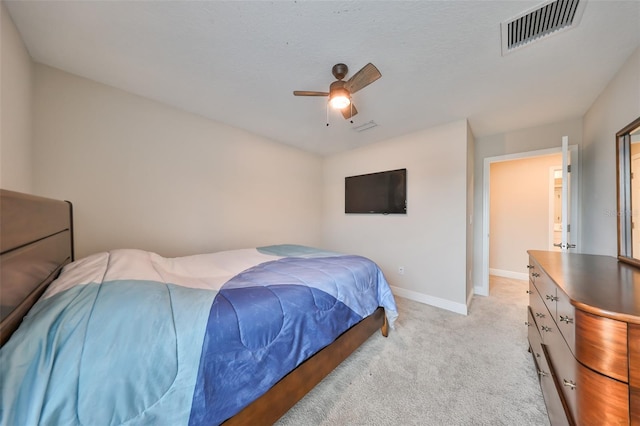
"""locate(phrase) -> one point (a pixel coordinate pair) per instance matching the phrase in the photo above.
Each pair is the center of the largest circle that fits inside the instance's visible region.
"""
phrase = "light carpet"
(437, 368)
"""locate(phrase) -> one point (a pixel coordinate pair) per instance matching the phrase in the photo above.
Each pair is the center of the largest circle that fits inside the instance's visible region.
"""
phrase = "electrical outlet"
(401, 270)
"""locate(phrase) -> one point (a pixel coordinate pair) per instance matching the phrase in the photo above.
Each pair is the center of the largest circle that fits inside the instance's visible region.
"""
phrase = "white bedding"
(204, 271)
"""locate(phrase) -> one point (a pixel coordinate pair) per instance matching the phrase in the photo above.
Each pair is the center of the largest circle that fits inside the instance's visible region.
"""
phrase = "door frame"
(483, 288)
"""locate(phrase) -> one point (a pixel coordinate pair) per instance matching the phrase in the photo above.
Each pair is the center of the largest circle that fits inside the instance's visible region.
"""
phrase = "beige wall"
(145, 175)
(519, 215)
(616, 106)
(430, 240)
(16, 81)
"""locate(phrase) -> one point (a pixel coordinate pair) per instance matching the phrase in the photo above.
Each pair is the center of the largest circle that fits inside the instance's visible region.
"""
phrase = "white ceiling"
(238, 62)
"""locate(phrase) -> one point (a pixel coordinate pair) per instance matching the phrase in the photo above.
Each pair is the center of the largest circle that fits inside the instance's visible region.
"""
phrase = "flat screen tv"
(382, 192)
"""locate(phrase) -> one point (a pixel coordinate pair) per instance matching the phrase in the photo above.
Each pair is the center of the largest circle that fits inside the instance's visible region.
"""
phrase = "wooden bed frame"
(36, 242)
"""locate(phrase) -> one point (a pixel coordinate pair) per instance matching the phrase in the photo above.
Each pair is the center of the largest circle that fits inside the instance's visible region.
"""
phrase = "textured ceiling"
(238, 62)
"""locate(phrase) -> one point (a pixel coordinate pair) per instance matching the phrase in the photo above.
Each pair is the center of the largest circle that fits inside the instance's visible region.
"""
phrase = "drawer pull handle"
(542, 373)
(539, 315)
(527, 323)
(529, 292)
(529, 266)
(566, 319)
(563, 245)
(552, 298)
(535, 274)
(545, 328)
(569, 383)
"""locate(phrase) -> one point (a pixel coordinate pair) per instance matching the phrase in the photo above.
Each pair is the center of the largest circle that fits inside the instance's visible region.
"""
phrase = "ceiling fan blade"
(349, 111)
(367, 75)
(309, 93)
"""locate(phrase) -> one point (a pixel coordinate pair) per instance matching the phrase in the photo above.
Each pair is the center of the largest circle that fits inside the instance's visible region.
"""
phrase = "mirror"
(628, 145)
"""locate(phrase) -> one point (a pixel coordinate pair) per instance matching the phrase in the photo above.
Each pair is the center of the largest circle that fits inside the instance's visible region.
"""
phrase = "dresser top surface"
(596, 284)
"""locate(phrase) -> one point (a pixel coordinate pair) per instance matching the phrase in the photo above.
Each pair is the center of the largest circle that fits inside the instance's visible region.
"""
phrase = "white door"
(569, 197)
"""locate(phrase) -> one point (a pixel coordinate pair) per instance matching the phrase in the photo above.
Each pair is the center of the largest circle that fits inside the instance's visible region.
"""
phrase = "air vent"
(542, 21)
(366, 126)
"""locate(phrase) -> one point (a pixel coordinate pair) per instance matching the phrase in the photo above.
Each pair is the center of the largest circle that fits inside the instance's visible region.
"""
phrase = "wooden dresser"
(584, 335)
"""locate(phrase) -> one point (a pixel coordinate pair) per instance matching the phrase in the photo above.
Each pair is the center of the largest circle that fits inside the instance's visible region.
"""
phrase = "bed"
(131, 337)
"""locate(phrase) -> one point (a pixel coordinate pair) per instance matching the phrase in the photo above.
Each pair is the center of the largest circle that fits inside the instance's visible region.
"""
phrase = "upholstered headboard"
(36, 241)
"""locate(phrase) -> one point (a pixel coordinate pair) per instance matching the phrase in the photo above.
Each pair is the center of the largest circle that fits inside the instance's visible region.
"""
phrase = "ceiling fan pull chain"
(327, 113)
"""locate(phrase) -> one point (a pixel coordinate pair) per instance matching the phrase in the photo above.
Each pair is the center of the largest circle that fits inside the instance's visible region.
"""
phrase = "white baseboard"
(458, 308)
(480, 291)
(509, 274)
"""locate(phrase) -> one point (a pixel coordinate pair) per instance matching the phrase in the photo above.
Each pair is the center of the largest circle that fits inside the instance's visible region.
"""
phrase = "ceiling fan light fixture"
(340, 102)
(339, 98)
(340, 91)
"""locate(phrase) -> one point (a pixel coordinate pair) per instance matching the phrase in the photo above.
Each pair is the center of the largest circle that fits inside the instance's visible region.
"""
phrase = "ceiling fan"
(340, 91)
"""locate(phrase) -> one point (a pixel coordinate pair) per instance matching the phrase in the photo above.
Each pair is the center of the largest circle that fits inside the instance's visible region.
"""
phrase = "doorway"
(508, 219)
(555, 207)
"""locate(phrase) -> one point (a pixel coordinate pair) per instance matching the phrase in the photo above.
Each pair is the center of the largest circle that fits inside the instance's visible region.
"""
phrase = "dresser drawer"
(535, 341)
(555, 408)
(601, 400)
(634, 356)
(564, 368)
(547, 290)
(565, 319)
(533, 270)
(601, 344)
(540, 314)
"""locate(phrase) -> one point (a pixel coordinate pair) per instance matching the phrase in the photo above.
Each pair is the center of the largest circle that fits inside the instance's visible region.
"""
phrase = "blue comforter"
(135, 351)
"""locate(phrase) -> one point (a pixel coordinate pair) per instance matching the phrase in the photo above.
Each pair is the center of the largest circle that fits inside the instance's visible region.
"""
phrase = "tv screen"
(382, 192)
